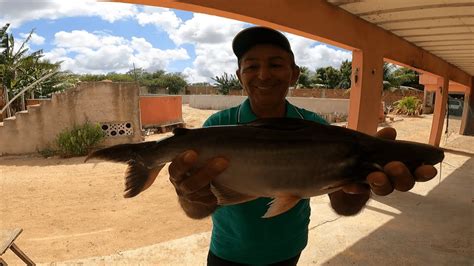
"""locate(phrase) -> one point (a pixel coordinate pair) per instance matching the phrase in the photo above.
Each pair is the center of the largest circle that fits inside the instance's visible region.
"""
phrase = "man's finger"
(380, 183)
(400, 176)
(204, 176)
(387, 133)
(425, 173)
(182, 164)
(356, 189)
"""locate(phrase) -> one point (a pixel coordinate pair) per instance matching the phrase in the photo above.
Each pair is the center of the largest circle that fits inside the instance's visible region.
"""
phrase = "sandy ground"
(71, 210)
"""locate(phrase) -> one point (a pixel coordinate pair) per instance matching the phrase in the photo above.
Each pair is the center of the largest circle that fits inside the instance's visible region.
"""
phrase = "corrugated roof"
(445, 28)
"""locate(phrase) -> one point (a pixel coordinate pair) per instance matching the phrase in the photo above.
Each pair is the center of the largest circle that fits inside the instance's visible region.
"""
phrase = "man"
(266, 69)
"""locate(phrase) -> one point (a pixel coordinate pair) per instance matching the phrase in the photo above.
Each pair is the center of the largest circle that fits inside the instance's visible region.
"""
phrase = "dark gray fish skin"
(273, 157)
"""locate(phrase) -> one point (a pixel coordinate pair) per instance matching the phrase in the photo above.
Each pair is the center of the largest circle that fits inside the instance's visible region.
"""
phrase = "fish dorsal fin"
(180, 131)
(227, 196)
(282, 123)
(280, 205)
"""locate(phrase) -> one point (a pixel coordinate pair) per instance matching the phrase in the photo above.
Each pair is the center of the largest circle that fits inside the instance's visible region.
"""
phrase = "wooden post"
(366, 91)
(441, 101)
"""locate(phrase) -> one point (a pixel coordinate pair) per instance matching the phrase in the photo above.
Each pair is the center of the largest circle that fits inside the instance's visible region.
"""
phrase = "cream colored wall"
(106, 102)
(318, 105)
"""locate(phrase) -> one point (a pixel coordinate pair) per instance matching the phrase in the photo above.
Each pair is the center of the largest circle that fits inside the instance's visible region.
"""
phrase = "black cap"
(252, 36)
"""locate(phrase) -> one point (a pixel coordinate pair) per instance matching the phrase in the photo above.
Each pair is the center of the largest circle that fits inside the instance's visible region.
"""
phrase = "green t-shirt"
(239, 234)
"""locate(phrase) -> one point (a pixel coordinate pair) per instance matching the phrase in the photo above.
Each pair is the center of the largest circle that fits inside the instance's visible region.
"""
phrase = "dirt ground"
(70, 210)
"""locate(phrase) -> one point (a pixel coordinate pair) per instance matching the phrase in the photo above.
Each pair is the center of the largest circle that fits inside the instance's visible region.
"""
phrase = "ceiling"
(443, 27)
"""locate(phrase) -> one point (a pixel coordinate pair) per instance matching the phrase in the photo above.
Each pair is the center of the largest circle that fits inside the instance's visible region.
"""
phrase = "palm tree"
(227, 82)
(18, 68)
(305, 79)
(3, 46)
(345, 75)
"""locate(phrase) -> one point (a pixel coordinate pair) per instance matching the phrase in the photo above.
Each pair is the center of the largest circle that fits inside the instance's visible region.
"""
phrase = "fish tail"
(142, 160)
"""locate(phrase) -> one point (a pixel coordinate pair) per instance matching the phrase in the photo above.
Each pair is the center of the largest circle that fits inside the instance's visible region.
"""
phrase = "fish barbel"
(282, 158)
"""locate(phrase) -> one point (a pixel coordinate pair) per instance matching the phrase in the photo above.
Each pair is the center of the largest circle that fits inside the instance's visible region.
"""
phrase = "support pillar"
(441, 101)
(467, 120)
(366, 91)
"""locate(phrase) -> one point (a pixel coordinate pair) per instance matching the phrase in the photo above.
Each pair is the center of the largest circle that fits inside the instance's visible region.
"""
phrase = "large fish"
(282, 158)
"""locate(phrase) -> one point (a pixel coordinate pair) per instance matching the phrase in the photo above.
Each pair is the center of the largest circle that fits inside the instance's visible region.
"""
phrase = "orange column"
(467, 121)
(366, 91)
(439, 110)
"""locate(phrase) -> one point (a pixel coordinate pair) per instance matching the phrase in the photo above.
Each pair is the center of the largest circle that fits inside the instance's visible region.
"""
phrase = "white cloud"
(211, 37)
(206, 29)
(160, 17)
(85, 52)
(35, 38)
(17, 12)
(314, 56)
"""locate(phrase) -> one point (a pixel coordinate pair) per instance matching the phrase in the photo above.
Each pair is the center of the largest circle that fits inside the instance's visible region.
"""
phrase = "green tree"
(174, 82)
(58, 82)
(345, 71)
(328, 77)
(305, 79)
(227, 82)
(408, 77)
(18, 68)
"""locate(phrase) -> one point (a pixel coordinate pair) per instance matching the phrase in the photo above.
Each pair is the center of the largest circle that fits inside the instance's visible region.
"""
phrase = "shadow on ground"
(40, 161)
(436, 229)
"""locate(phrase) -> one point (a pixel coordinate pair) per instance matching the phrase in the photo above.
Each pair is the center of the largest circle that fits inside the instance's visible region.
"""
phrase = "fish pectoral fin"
(280, 205)
(152, 176)
(139, 177)
(228, 196)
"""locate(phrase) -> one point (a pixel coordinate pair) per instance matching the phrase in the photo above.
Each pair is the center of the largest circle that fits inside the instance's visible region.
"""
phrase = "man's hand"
(193, 185)
(395, 175)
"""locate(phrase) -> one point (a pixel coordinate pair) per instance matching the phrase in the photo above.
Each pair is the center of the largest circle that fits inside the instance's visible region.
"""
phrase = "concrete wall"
(214, 102)
(114, 104)
(389, 97)
(320, 106)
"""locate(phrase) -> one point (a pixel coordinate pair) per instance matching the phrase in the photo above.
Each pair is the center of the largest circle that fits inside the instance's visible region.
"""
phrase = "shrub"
(409, 105)
(47, 152)
(79, 140)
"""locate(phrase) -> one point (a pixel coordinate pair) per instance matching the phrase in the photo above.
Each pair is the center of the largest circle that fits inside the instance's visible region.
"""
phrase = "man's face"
(265, 72)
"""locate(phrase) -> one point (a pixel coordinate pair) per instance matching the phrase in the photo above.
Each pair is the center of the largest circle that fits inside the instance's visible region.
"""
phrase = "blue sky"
(102, 37)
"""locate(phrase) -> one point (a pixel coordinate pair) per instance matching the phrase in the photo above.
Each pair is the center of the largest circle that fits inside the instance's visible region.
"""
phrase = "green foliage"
(227, 82)
(159, 79)
(328, 77)
(306, 79)
(79, 140)
(345, 71)
(48, 152)
(200, 84)
(19, 68)
(394, 77)
(174, 82)
(408, 105)
(57, 83)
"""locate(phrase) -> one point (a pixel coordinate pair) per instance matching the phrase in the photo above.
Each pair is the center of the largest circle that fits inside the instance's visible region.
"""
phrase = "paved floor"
(430, 225)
